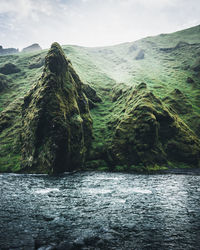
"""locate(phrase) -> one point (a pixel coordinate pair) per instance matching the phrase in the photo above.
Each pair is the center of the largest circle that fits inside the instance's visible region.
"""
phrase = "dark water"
(100, 211)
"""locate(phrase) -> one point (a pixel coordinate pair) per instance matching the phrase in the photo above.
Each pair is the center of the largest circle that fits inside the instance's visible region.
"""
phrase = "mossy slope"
(56, 123)
(150, 134)
(3, 82)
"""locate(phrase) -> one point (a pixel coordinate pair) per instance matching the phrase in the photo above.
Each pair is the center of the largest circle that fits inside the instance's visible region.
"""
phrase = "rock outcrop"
(92, 96)
(37, 63)
(149, 133)
(32, 48)
(56, 123)
(9, 68)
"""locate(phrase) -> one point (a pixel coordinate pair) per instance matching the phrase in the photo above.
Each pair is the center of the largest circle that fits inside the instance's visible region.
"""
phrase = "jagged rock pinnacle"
(57, 127)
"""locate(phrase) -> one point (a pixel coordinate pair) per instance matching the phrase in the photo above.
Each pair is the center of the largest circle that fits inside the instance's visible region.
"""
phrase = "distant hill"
(31, 48)
(8, 51)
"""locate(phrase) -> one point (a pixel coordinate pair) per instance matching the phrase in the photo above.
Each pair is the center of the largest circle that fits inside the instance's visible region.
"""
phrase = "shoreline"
(176, 171)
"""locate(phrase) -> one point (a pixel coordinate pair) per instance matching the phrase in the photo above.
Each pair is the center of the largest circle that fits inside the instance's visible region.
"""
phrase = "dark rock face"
(140, 55)
(31, 48)
(9, 68)
(190, 80)
(92, 96)
(91, 93)
(149, 133)
(57, 127)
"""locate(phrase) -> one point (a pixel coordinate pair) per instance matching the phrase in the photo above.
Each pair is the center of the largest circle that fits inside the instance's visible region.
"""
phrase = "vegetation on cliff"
(122, 114)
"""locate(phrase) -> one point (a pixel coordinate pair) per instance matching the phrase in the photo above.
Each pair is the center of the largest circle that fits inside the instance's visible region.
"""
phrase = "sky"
(91, 22)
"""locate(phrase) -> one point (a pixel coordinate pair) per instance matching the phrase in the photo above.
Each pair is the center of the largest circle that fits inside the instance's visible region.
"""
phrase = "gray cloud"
(91, 22)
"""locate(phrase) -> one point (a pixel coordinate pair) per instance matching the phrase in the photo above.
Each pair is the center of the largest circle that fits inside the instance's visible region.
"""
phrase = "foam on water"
(142, 191)
(46, 190)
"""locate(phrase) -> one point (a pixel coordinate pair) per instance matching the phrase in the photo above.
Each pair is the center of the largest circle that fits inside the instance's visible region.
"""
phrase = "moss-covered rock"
(57, 127)
(150, 134)
(119, 91)
(91, 95)
(3, 82)
(38, 62)
(181, 104)
(9, 68)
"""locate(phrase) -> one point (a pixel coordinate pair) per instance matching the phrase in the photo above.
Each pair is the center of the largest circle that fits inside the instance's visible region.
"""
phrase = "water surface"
(94, 210)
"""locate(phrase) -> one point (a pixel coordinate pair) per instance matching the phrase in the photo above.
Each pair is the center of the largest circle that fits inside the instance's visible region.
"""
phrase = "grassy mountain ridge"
(166, 63)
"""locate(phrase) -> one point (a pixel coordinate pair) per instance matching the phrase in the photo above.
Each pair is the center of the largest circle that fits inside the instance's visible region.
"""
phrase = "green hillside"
(169, 64)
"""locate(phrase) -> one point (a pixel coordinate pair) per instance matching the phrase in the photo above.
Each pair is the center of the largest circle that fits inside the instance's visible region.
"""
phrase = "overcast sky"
(91, 22)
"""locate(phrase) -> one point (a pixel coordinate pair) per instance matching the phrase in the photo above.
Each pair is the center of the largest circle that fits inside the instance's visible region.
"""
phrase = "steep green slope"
(169, 64)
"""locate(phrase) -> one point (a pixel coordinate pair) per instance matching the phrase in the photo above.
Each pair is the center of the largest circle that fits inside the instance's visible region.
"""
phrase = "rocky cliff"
(56, 123)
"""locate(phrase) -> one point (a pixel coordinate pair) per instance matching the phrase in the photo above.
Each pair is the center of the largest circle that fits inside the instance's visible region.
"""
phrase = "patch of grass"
(180, 165)
(10, 163)
(137, 168)
(103, 168)
(99, 165)
(156, 168)
(120, 168)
